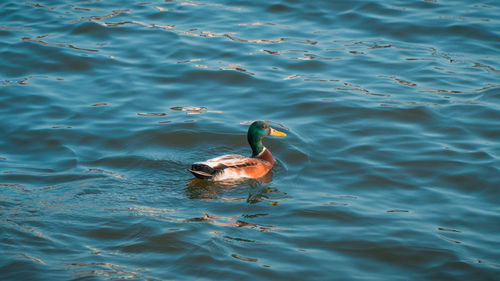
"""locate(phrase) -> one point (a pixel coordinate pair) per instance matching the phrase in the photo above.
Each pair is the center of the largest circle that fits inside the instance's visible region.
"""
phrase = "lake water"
(390, 169)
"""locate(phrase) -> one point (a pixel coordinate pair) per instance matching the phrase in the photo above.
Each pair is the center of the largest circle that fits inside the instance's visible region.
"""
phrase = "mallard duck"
(233, 166)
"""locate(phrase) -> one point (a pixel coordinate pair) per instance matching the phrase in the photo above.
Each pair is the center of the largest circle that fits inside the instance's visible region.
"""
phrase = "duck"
(233, 166)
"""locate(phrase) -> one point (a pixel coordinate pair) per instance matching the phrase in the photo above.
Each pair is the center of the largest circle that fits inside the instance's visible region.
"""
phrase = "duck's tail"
(202, 171)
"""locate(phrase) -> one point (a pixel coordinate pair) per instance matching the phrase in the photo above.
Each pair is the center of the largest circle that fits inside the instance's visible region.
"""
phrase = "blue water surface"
(390, 169)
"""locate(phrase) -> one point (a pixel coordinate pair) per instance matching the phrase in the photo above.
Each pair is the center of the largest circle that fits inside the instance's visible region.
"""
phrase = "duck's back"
(231, 166)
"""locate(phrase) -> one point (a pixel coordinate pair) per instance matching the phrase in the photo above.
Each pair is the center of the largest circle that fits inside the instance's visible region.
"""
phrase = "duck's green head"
(257, 131)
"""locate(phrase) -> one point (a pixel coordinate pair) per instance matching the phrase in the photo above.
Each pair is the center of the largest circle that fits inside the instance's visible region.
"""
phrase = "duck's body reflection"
(223, 190)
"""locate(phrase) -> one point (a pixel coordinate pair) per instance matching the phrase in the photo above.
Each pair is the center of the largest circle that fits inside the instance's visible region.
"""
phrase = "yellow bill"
(276, 133)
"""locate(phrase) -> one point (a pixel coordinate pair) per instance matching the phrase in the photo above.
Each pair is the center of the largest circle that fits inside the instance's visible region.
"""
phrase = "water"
(390, 170)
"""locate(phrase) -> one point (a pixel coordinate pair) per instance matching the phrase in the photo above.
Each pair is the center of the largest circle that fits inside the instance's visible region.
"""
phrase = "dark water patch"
(278, 8)
(32, 181)
(29, 269)
(230, 76)
(381, 9)
(397, 211)
(91, 29)
(98, 18)
(161, 243)
(53, 60)
(458, 269)
(115, 233)
(448, 229)
(326, 212)
(102, 269)
(37, 5)
(71, 46)
(116, 162)
(244, 258)
(393, 253)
